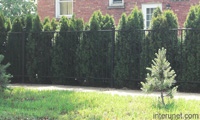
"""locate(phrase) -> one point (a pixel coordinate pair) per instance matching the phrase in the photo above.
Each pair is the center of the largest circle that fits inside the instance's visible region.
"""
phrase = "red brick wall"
(46, 8)
(85, 8)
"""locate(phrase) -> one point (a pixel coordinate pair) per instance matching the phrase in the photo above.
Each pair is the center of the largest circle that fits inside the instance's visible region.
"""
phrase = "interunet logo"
(175, 116)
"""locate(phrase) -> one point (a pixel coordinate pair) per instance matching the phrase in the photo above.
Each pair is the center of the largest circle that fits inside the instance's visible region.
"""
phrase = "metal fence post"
(23, 53)
(112, 59)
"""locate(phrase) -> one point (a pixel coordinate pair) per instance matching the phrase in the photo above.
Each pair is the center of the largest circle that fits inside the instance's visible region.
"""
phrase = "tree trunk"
(162, 97)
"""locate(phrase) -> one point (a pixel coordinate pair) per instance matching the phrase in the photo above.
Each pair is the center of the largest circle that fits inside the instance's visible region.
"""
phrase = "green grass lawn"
(34, 104)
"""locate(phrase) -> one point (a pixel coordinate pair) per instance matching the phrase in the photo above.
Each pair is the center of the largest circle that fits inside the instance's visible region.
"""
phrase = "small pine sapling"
(161, 78)
(4, 77)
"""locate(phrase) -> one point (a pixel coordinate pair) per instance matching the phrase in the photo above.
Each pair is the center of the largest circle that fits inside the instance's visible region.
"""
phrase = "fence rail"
(112, 58)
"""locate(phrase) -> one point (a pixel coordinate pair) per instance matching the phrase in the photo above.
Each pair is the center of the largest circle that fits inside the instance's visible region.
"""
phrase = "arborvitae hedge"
(120, 70)
(14, 50)
(34, 48)
(190, 56)
(128, 50)
(161, 36)
(88, 55)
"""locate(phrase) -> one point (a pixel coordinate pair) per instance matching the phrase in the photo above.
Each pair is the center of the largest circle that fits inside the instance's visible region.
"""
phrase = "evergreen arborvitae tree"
(54, 24)
(89, 66)
(27, 32)
(161, 76)
(28, 22)
(74, 26)
(120, 70)
(14, 49)
(34, 46)
(65, 50)
(61, 54)
(46, 20)
(161, 36)
(46, 54)
(106, 47)
(4, 76)
(94, 50)
(190, 56)
(128, 50)
(2, 34)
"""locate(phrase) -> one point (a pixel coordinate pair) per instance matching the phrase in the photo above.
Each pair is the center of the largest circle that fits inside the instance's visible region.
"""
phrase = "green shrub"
(14, 49)
(4, 76)
(28, 22)
(54, 24)
(128, 50)
(161, 36)
(64, 52)
(94, 50)
(45, 51)
(190, 57)
(34, 51)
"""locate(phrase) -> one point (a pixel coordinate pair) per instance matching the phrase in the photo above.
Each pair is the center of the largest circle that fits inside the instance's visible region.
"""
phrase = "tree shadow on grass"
(45, 104)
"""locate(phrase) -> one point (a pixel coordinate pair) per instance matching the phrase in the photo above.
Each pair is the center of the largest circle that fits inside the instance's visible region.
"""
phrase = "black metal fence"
(129, 51)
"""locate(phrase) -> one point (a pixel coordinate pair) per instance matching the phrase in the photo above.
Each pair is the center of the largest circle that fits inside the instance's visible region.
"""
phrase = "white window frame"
(111, 3)
(144, 10)
(58, 10)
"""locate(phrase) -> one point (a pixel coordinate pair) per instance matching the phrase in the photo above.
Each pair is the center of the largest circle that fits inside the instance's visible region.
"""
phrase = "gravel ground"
(187, 96)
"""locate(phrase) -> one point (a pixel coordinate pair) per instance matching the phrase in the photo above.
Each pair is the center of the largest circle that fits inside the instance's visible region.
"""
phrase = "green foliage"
(2, 34)
(161, 78)
(161, 36)
(59, 63)
(54, 24)
(8, 25)
(94, 53)
(65, 48)
(157, 12)
(34, 51)
(46, 20)
(191, 54)
(4, 76)
(23, 21)
(14, 49)
(28, 22)
(46, 54)
(128, 49)
(16, 8)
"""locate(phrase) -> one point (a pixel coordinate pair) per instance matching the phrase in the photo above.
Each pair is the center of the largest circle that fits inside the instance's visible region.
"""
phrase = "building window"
(64, 8)
(148, 10)
(116, 2)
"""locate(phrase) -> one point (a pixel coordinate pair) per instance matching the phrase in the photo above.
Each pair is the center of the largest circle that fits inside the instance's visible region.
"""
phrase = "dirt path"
(194, 96)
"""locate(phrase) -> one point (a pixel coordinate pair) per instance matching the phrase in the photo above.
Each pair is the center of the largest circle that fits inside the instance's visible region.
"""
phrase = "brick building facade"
(85, 8)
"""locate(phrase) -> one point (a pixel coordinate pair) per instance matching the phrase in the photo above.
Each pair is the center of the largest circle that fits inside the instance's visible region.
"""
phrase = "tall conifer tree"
(14, 49)
(190, 58)
(34, 51)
